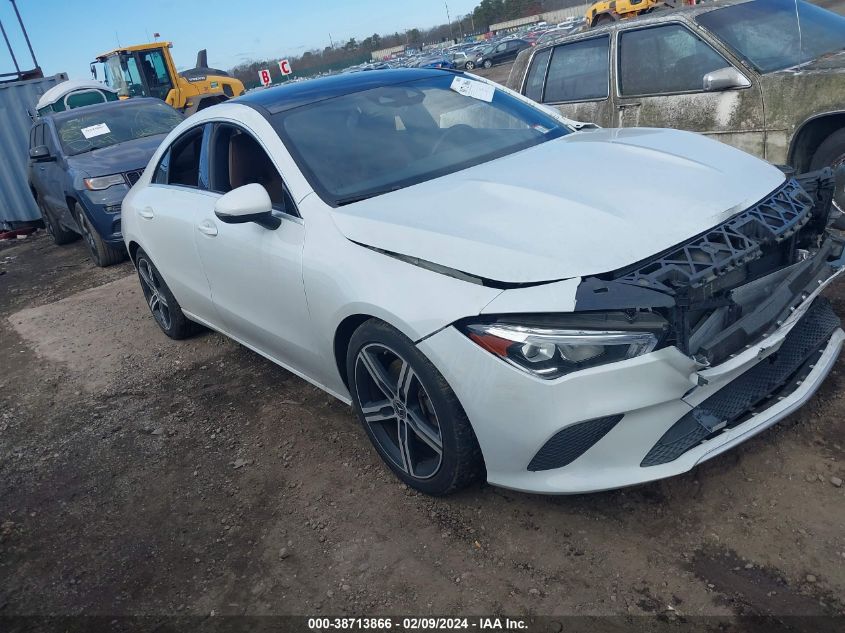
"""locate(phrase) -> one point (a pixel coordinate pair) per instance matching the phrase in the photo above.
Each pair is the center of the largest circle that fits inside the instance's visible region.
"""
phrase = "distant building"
(387, 53)
(550, 17)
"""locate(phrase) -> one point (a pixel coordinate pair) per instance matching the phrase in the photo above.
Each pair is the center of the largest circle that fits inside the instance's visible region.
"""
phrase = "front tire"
(162, 304)
(60, 234)
(409, 412)
(102, 254)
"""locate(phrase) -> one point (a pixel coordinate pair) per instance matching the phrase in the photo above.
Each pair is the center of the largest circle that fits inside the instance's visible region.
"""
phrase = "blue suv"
(82, 162)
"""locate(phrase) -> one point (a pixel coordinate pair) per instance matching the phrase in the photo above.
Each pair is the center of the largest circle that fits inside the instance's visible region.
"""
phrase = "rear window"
(579, 71)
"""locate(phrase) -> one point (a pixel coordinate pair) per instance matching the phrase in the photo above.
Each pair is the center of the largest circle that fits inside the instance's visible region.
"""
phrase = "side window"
(677, 61)
(501, 47)
(237, 159)
(155, 71)
(537, 75)
(180, 165)
(579, 71)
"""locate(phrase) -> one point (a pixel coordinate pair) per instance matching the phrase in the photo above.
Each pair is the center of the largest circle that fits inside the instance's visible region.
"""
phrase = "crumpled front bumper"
(515, 415)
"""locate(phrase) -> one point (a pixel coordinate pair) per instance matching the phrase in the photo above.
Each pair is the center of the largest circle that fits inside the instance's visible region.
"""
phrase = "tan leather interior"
(249, 163)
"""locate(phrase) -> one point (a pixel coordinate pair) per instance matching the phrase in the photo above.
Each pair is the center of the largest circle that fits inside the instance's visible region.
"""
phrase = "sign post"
(284, 66)
(264, 77)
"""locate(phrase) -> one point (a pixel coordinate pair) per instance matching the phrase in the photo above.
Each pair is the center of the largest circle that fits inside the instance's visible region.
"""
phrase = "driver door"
(256, 273)
(660, 83)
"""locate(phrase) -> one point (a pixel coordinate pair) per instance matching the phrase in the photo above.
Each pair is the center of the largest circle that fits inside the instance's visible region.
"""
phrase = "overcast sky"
(67, 34)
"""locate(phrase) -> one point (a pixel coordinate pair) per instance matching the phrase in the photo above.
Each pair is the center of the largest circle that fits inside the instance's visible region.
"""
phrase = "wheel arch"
(810, 134)
(342, 336)
(132, 249)
(347, 326)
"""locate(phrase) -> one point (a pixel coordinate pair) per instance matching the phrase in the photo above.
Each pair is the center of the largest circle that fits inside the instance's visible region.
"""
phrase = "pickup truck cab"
(766, 76)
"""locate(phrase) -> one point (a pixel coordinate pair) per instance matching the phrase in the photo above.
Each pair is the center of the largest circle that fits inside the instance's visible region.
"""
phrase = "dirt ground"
(145, 476)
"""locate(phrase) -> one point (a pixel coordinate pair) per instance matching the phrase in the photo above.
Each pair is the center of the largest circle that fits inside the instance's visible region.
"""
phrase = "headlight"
(549, 347)
(104, 182)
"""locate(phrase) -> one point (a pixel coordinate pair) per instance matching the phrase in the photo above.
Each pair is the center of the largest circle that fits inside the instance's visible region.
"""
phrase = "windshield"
(776, 34)
(86, 131)
(367, 143)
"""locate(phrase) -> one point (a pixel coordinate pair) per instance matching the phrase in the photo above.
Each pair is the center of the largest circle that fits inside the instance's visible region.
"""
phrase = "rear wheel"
(54, 229)
(469, 65)
(488, 63)
(409, 412)
(161, 302)
(102, 254)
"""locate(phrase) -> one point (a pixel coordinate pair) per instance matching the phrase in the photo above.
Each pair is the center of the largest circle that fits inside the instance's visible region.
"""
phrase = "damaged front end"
(745, 291)
(726, 290)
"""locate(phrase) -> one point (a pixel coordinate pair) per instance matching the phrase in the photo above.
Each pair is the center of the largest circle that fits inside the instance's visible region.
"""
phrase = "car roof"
(100, 107)
(286, 97)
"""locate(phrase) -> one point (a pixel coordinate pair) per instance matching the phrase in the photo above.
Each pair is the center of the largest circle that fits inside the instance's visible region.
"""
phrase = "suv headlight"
(552, 346)
(104, 182)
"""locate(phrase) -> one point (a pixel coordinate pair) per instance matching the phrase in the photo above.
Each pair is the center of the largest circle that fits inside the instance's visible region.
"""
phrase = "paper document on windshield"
(474, 89)
(95, 130)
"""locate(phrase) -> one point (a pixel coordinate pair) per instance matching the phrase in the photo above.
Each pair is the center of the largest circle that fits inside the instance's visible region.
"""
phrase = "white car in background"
(451, 259)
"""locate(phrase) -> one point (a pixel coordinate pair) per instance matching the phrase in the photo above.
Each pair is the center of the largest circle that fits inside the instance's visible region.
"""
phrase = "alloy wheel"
(398, 411)
(152, 287)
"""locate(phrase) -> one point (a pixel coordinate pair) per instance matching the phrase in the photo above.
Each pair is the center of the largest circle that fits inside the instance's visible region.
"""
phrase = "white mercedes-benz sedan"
(493, 288)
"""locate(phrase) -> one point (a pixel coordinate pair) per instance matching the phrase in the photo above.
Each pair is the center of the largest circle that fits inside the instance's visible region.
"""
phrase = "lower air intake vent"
(570, 443)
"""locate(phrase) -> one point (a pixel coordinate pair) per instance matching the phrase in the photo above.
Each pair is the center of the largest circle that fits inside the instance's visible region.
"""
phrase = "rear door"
(574, 78)
(660, 79)
(167, 213)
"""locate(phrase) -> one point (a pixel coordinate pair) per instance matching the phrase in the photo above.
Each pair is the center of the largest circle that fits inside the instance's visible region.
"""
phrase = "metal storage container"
(17, 99)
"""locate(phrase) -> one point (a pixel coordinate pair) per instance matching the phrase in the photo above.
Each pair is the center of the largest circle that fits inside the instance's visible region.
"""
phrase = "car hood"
(586, 203)
(127, 156)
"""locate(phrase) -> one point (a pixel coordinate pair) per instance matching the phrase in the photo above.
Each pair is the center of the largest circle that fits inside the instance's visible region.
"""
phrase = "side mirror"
(250, 203)
(40, 154)
(725, 79)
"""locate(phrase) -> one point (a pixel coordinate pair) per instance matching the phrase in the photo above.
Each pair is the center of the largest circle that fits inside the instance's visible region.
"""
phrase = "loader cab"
(137, 73)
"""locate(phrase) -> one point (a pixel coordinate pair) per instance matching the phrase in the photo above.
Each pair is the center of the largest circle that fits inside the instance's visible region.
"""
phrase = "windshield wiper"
(364, 196)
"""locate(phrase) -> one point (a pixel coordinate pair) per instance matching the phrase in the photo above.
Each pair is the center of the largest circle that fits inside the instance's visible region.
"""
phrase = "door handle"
(623, 106)
(207, 227)
(147, 213)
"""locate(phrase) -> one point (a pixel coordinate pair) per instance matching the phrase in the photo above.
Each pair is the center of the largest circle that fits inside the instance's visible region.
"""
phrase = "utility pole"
(330, 41)
(449, 20)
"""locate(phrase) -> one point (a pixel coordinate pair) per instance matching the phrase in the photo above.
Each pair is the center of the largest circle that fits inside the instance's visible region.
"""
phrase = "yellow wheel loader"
(606, 11)
(147, 70)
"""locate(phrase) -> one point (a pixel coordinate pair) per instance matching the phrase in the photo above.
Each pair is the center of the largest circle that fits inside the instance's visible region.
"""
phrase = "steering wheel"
(453, 131)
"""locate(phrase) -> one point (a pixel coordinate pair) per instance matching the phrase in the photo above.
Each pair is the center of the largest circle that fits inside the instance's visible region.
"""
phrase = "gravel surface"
(142, 475)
